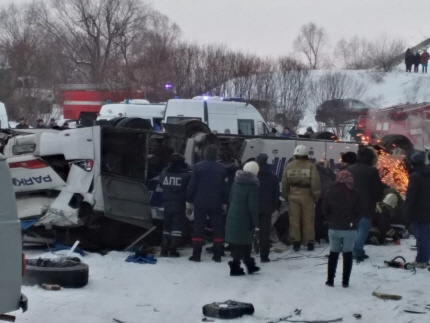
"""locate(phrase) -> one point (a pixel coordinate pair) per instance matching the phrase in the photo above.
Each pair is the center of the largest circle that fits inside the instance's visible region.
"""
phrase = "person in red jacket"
(424, 60)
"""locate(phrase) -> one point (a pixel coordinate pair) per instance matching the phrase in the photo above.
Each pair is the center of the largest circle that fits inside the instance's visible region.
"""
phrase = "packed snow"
(175, 289)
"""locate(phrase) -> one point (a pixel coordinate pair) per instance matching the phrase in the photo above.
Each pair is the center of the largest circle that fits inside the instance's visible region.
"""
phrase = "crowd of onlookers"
(348, 208)
(40, 124)
(416, 59)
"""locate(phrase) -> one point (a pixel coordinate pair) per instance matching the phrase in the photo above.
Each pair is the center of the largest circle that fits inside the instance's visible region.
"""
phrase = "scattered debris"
(387, 296)
(357, 316)
(51, 286)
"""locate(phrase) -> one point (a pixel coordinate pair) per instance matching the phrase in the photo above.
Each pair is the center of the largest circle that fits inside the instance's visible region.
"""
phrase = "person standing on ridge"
(417, 62)
(409, 60)
(424, 60)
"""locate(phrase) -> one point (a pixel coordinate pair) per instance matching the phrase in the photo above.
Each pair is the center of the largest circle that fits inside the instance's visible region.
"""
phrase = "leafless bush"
(311, 42)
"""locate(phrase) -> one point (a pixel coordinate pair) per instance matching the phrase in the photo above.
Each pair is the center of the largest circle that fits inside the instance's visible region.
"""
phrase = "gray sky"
(269, 27)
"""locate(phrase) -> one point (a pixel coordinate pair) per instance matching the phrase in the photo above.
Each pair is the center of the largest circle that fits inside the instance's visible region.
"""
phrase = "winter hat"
(251, 167)
(349, 157)
(211, 152)
(390, 200)
(365, 156)
(177, 159)
(346, 178)
(418, 158)
(261, 159)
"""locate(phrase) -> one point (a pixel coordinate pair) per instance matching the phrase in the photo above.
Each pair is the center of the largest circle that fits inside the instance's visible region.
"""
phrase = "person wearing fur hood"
(242, 218)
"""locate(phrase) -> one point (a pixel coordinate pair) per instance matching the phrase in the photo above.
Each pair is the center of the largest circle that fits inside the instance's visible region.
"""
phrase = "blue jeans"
(422, 234)
(362, 233)
(341, 240)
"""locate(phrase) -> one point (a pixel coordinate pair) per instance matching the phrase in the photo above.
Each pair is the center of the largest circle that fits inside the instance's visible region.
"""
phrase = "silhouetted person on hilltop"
(417, 62)
(409, 59)
(424, 60)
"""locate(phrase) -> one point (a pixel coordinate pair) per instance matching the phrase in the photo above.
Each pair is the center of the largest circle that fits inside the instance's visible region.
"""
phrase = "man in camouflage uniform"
(301, 186)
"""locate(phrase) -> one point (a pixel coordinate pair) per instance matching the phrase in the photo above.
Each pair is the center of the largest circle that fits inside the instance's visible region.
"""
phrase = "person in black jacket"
(417, 206)
(409, 59)
(342, 209)
(174, 181)
(370, 188)
(327, 177)
(208, 195)
(268, 196)
(417, 62)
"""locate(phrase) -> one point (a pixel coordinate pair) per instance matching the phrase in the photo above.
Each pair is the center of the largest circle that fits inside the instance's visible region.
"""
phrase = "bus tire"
(66, 272)
(326, 135)
(390, 142)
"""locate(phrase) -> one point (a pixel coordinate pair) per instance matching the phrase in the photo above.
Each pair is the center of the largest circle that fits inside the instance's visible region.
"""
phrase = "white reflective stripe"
(176, 233)
(166, 233)
(83, 102)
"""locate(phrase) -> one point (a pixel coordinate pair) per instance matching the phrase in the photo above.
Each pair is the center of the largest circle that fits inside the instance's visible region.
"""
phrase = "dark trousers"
(174, 221)
(241, 252)
(421, 232)
(216, 221)
(264, 237)
(321, 229)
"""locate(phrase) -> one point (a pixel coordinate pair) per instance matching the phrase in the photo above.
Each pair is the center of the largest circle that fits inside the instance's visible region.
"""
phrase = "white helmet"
(390, 200)
(300, 150)
(251, 167)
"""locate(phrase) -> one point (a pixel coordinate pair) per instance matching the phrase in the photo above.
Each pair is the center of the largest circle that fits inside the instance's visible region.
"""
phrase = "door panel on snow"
(123, 176)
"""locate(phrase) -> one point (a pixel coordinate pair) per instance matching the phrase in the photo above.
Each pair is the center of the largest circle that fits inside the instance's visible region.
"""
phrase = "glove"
(224, 208)
(257, 230)
(189, 209)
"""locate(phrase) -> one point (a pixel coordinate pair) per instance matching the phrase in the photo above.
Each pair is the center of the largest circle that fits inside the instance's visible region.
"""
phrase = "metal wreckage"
(99, 184)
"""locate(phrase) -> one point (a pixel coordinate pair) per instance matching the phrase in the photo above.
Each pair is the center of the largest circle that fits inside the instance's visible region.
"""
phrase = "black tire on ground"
(228, 309)
(135, 123)
(192, 127)
(391, 142)
(66, 272)
(326, 135)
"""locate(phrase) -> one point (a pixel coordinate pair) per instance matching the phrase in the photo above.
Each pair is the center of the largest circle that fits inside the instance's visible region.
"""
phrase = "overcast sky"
(269, 27)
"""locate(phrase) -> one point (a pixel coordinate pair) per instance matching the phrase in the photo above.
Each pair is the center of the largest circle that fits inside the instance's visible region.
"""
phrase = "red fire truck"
(397, 122)
(82, 102)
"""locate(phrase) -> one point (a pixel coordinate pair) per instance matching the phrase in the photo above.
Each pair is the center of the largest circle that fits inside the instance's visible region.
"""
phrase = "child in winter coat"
(341, 206)
(242, 218)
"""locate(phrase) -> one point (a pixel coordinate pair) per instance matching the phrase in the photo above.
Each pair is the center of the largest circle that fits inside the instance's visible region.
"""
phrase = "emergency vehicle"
(401, 125)
(82, 102)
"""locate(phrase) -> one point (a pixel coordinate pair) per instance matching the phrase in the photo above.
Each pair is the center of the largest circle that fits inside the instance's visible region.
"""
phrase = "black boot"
(296, 246)
(174, 244)
(235, 269)
(250, 266)
(331, 271)
(165, 244)
(197, 251)
(347, 267)
(311, 246)
(218, 246)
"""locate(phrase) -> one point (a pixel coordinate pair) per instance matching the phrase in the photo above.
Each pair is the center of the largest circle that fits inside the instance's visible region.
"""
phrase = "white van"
(12, 260)
(152, 112)
(4, 121)
(222, 116)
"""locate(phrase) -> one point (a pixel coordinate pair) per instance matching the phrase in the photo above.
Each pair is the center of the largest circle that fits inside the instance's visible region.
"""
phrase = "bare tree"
(336, 87)
(311, 42)
(292, 93)
(384, 52)
(89, 30)
(353, 54)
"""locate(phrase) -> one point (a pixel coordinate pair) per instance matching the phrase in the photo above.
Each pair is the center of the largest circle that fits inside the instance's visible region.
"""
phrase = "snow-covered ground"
(175, 290)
